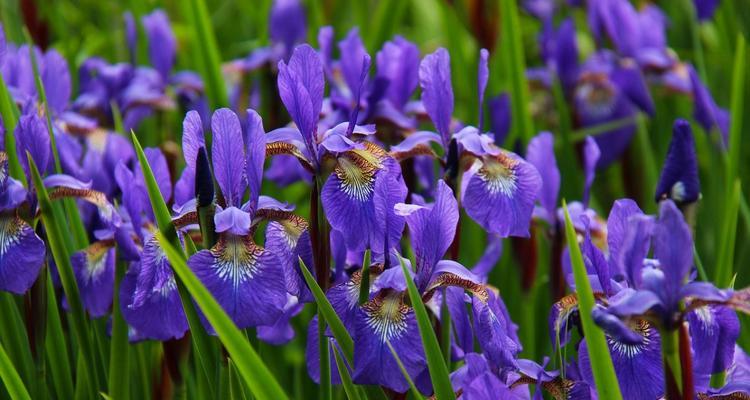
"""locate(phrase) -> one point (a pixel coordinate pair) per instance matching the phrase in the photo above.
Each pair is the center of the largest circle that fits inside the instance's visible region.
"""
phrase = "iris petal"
(94, 269)
(21, 255)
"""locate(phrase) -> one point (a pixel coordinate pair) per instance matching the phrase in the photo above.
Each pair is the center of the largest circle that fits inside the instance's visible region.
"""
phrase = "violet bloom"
(246, 279)
(149, 300)
(353, 166)
(498, 188)
(705, 110)
(705, 9)
(22, 252)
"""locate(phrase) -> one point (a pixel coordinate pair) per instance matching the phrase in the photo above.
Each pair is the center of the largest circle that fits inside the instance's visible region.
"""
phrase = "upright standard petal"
(32, 136)
(499, 194)
(437, 91)
(541, 154)
(679, 177)
(21, 255)
(256, 155)
(192, 137)
(618, 224)
(301, 87)
(432, 230)
(672, 247)
(94, 270)
(228, 155)
(247, 280)
(591, 154)
(398, 63)
(287, 23)
(56, 81)
(161, 42)
(483, 75)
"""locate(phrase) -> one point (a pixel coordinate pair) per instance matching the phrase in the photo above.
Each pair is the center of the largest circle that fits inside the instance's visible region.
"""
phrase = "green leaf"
(119, 348)
(9, 112)
(326, 310)
(412, 389)
(65, 269)
(202, 342)
(523, 127)
(601, 361)
(384, 21)
(346, 379)
(441, 381)
(728, 238)
(235, 386)
(252, 369)
(204, 40)
(14, 337)
(364, 285)
(737, 112)
(57, 349)
(12, 381)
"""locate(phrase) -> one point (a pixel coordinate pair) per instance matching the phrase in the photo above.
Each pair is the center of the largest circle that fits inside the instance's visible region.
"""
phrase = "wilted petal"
(94, 270)
(245, 279)
(500, 192)
(21, 255)
(437, 91)
(679, 177)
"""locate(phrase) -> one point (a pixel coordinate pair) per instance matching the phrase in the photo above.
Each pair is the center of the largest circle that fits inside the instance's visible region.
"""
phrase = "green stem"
(325, 362)
(670, 351)
(119, 348)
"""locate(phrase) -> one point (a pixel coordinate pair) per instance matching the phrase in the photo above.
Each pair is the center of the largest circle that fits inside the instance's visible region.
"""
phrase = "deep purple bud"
(679, 178)
(204, 183)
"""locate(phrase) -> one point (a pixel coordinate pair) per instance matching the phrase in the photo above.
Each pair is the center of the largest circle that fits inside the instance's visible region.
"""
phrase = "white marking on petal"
(236, 260)
(632, 350)
(678, 191)
(706, 318)
(387, 316)
(9, 233)
(499, 175)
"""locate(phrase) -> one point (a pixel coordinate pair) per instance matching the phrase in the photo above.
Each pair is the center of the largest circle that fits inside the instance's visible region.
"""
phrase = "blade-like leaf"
(250, 366)
(364, 285)
(412, 389)
(204, 40)
(601, 361)
(119, 349)
(331, 318)
(201, 340)
(522, 125)
(65, 270)
(12, 381)
(9, 112)
(441, 381)
(57, 350)
(346, 379)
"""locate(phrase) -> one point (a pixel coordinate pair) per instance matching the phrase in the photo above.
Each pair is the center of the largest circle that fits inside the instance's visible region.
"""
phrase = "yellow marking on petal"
(640, 327)
(498, 173)
(96, 257)
(386, 315)
(10, 227)
(357, 176)
(236, 258)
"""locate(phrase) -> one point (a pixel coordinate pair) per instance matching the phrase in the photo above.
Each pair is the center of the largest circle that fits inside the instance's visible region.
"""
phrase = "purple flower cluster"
(390, 174)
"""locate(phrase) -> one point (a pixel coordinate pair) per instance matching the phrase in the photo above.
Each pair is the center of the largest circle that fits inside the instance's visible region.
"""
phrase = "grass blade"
(346, 379)
(412, 389)
(9, 112)
(250, 366)
(14, 337)
(57, 349)
(364, 285)
(327, 312)
(204, 40)
(522, 125)
(12, 381)
(441, 381)
(601, 361)
(728, 237)
(70, 287)
(119, 348)
(202, 342)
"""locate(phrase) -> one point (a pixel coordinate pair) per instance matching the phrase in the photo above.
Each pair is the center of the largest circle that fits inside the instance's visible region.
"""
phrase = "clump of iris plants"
(374, 200)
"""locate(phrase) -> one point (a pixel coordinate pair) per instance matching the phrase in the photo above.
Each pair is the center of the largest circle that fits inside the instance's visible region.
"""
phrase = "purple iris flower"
(149, 299)
(353, 165)
(705, 110)
(498, 188)
(22, 252)
(249, 281)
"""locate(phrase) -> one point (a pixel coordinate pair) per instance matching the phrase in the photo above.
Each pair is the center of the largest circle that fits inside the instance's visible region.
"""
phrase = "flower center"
(498, 174)
(387, 316)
